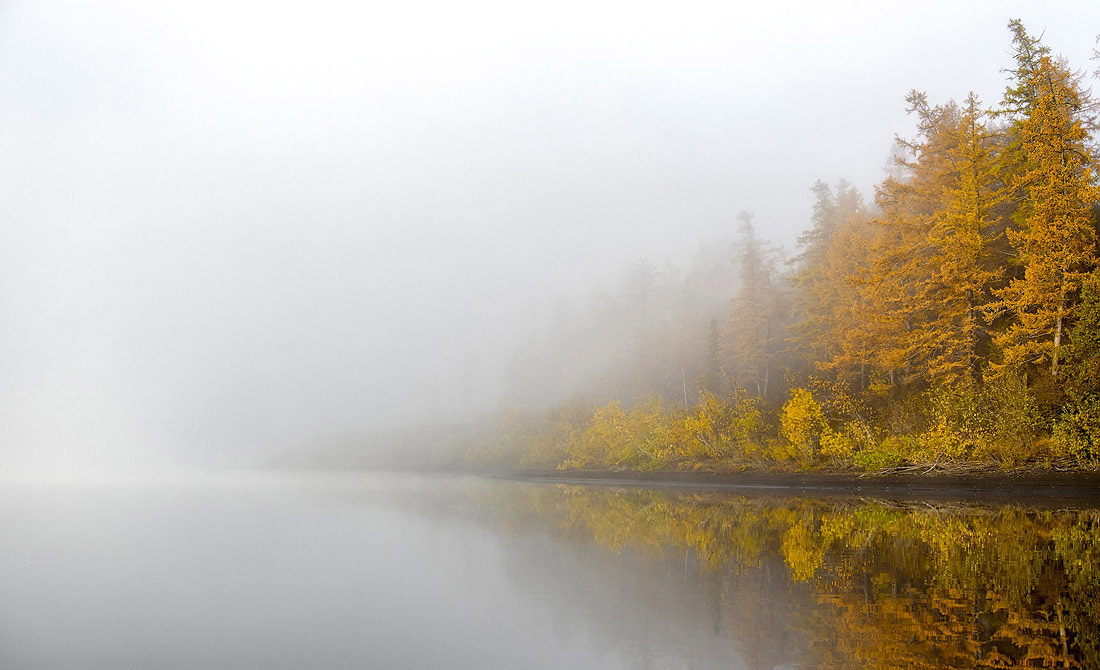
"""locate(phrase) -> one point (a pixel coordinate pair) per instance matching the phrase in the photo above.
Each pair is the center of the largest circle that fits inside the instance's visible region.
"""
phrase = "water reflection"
(437, 572)
(842, 584)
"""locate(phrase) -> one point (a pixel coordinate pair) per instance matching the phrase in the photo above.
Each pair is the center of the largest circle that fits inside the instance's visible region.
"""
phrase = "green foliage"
(999, 421)
(1082, 364)
(1077, 431)
(1014, 421)
(887, 453)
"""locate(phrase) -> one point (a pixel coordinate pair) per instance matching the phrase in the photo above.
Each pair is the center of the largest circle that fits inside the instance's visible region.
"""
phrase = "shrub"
(656, 435)
(644, 437)
(1014, 423)
(801, 422)
(959, 423)
(1077, 431)
(723, 427)
(886, 454)
(839, 445)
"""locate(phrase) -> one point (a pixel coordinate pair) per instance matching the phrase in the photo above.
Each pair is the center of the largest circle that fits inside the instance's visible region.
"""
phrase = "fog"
(345, 574)
(231, 229)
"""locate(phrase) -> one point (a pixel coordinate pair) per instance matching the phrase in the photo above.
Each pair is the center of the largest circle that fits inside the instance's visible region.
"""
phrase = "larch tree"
(1028, 51)
(963, 235)
(1056, 243)
(934, 271)
(900, 283)
(827, 300)
(1018, 103)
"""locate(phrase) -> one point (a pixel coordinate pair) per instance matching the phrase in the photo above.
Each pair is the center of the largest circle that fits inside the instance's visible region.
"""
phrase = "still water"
(447, 572)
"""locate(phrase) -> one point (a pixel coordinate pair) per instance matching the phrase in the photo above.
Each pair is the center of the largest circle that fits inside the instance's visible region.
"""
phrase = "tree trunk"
(1058, 332)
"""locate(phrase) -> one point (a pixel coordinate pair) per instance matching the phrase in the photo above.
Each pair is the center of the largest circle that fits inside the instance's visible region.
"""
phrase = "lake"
(402, 571)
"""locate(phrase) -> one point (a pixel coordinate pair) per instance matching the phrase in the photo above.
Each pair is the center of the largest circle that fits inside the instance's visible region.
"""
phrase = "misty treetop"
(954, 318)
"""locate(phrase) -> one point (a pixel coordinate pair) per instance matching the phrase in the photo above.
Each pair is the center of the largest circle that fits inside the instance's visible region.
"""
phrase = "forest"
(950, 321)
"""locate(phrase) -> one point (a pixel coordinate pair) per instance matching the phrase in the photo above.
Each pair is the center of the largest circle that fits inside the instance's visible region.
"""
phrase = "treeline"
(954, 318)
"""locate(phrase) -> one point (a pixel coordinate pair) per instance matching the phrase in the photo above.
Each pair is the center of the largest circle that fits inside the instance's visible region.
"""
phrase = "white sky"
(230, 226)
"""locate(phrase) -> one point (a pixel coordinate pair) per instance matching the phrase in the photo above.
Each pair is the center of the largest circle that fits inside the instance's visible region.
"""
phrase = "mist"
(233, 229)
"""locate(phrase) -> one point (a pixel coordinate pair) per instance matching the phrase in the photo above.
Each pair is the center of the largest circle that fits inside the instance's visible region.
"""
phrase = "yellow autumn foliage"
(801, 423)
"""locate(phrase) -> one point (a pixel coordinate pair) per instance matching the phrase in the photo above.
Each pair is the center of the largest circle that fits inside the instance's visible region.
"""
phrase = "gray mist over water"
(231, 229)
(341, 573)
(397, 571)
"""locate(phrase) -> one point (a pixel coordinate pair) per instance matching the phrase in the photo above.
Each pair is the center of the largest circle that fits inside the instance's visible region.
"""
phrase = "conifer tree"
(900, 284)
(713, 380)
(1056, 242)
(827, 301)
(963, 235)
(933, 273)
(754, 323)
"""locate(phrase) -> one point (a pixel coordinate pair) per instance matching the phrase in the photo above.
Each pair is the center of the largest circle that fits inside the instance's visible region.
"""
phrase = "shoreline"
(998, 487)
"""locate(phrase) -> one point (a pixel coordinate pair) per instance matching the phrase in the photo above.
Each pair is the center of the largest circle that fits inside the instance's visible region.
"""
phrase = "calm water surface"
(410, 572)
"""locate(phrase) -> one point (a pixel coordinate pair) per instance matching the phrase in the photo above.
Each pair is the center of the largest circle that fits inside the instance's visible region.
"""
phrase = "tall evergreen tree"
(754, 324)
(713, 380)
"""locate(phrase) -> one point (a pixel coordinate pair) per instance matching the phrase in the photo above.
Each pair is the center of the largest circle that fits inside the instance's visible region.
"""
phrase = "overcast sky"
(227, 227)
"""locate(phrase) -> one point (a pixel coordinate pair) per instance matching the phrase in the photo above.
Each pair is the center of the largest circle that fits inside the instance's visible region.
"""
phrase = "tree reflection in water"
(857, 583)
